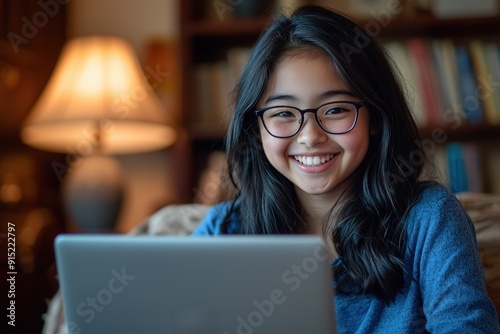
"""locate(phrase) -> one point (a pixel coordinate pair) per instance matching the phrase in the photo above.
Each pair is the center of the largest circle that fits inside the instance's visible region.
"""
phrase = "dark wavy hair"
(368, 231)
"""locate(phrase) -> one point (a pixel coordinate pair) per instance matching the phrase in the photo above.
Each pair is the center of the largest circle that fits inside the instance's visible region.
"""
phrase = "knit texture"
(444, 289)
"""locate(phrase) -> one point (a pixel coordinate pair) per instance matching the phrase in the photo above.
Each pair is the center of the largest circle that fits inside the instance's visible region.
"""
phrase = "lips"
(313, 160)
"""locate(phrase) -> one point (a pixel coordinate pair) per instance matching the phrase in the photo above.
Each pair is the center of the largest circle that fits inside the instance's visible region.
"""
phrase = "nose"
(311, 133)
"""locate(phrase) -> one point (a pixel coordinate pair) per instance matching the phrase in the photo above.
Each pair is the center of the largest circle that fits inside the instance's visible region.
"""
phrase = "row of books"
(447, 83)
(214, 83)
(457, 165)
(465, 167)
(460, 167)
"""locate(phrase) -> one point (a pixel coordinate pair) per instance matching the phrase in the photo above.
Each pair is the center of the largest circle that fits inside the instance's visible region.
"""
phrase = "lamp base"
(93, 193)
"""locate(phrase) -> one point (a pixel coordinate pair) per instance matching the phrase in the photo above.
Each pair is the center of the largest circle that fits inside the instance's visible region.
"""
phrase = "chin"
(315, 190)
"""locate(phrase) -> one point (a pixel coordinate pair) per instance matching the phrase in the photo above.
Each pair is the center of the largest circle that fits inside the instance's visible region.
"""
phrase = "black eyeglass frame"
(357, 104)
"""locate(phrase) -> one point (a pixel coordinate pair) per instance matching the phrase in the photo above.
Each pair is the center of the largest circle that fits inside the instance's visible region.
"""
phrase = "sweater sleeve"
(448, 269)
(212, 222)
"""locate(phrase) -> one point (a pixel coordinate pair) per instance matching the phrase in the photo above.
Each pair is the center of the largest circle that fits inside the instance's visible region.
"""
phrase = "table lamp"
(97, 103)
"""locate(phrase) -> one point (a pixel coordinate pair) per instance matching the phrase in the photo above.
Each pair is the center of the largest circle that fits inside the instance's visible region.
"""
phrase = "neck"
(315, 215)
(319, 210)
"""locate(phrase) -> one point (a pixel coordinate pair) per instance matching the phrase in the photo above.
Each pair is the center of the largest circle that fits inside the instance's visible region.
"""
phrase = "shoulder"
(438, 221)
(438, 227)
(442, 257)
(434, 195)
(212, 223)
(437, 208)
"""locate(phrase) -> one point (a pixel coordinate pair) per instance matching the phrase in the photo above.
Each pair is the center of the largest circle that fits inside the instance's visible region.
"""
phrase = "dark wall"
(32, 33)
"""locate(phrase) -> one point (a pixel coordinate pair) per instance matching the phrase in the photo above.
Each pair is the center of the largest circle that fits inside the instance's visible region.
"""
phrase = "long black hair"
(368, 231)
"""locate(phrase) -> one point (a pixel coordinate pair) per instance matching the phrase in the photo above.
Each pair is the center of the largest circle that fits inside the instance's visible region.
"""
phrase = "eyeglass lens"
(335, 118)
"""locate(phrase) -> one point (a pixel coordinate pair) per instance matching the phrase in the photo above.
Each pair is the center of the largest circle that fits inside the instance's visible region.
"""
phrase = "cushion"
(170, 220)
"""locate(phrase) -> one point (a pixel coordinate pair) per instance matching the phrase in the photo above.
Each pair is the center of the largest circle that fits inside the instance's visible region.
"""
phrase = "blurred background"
(101, 152)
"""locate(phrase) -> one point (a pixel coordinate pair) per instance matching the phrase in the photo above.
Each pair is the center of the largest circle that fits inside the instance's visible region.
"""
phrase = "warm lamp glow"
(97, 102)
(98, 94)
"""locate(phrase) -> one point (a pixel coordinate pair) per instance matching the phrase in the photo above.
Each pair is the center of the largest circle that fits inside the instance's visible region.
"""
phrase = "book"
(492, 161)
(237, 57)
(472, 161)
(439, 165)
(464, 167)
(453, 113)
(215, 83)
(413, 93)
(427, 79)
(202, 114)
(457, 171)
(484, 89)
(220, 91)
(492, 55)
(470, 102)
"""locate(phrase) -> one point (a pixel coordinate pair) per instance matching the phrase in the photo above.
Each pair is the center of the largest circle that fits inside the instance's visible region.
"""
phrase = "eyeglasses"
(333, 117)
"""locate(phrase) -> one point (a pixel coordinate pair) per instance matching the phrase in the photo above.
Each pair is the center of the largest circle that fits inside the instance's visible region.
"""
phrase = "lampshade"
(98, 96)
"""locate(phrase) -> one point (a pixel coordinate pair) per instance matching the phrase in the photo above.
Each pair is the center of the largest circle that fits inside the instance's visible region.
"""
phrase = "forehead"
(303, 76)
(302, 53)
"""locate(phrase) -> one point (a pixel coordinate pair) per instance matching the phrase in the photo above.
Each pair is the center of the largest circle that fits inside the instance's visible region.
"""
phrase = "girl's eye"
(282, 113)
(335, 111)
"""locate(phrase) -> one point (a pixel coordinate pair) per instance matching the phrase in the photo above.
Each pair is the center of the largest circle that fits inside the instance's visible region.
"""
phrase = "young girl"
(322, 142)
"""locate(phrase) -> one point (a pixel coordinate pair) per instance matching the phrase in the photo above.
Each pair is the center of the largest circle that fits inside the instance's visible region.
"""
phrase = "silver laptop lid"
(226, 285)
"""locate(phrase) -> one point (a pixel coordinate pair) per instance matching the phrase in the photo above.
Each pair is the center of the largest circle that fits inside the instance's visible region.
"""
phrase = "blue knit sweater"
(444, 290)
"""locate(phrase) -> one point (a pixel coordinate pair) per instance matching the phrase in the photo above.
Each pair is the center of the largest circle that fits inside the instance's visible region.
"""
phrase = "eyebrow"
(321, 97)
(281, 97)
(333, 93)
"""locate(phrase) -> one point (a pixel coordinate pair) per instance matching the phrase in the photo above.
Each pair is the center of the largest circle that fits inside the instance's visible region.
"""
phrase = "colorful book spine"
(470, 101)
(484, 90)
(464, 167)
(427, 77)
(450, 84)
(457, 171)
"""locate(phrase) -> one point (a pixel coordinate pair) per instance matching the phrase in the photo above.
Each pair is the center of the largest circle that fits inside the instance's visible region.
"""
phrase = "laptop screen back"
(226, 285)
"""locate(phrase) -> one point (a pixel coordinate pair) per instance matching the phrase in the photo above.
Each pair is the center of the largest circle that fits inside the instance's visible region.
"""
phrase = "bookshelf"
(209, 37)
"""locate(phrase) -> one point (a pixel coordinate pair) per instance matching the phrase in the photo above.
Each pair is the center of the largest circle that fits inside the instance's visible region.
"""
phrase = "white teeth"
(313, 161)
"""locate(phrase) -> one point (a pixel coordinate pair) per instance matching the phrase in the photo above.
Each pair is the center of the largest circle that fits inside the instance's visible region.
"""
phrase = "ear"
(373, 131)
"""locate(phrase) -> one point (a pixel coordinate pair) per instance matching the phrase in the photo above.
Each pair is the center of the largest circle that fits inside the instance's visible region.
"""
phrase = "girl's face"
(316, 162)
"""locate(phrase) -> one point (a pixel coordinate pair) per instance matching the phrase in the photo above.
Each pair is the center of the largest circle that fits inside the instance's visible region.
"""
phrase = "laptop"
(195, 285)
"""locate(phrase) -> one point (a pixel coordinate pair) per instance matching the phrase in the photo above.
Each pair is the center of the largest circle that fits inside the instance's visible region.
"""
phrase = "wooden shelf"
(231, 28)
(430, 26)
(430, 21)
(206, 41)
(469, 132)
(424, 23)
(404, 25)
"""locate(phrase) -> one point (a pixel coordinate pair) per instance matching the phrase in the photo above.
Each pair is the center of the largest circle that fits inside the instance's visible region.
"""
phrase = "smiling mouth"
(313, 160)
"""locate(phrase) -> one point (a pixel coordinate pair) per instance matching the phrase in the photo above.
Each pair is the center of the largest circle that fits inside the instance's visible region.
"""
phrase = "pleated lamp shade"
(97, 103)
(98, 95)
